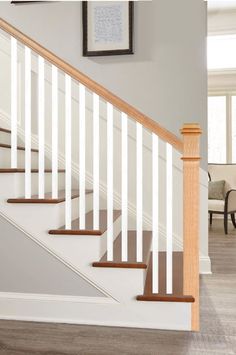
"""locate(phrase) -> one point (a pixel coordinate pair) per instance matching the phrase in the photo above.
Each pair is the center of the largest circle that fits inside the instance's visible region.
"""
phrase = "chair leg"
(233, 220)
(211, 215)
(226, 223)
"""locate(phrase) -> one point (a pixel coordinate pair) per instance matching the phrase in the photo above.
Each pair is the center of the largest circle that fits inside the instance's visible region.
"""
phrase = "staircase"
(93, 215)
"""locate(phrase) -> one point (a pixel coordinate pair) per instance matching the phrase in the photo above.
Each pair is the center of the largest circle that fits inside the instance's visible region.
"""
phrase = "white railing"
(111, 163)
(27, 123)
(127, 117)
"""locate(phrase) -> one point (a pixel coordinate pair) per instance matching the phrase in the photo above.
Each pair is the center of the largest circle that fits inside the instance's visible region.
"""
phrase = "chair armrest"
(230, 201)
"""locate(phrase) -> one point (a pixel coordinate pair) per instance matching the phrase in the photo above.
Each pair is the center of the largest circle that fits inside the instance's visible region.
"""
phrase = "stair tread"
(48, 197)
(8, 146)
(177, 295)
(10, 170)
(75, 228)
(5, 130)
(131, 262)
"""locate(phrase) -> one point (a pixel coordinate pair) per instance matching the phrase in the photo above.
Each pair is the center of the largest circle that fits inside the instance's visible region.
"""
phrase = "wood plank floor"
(218, 321)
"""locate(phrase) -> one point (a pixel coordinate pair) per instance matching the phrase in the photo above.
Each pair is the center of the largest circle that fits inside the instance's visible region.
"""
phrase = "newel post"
(191, 157)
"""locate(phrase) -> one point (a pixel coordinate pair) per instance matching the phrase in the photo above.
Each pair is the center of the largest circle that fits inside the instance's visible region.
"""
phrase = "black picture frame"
(92, 53)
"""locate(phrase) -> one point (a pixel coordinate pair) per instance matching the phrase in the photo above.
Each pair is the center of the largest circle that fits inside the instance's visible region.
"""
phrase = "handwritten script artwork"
(107, 28)
(108, 23)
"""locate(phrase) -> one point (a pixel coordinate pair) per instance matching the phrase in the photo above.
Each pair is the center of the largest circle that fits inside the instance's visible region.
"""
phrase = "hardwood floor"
(218, 321)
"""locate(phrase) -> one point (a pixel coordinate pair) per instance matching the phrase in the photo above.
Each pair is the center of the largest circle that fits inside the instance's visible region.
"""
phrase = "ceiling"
(221, 5)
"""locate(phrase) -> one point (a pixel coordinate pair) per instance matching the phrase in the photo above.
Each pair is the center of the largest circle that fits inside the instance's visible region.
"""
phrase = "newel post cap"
(191, 128)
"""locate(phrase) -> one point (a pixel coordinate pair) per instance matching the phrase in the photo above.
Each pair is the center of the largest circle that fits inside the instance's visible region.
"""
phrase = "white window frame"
(229, 134)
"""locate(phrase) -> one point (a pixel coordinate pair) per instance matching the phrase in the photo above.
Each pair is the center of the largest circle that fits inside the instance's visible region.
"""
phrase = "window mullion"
(229, 128)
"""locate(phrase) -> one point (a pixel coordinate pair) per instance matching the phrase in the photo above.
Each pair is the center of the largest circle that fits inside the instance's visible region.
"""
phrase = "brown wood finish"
(191, 140)
(120, 104)
(8, 146)
(5, 130)
(48, 198)
(131, 263)
(10, 170)
(177, 295)
(75, 230)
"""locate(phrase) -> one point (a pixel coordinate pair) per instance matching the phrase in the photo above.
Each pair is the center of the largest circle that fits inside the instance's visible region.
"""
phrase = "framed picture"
(107, 28)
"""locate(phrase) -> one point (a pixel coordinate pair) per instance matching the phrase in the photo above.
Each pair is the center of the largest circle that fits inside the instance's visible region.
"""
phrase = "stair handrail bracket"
(191, 164)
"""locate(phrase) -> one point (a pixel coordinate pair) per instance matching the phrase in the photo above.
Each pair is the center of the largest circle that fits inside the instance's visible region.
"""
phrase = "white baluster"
(169, 207)
(96, 160)
(27, 123)
(54, 132)
(139, 192)
(155, 213)
(124, 188)
(68, 150)
(82, 143)
(41, 133)
(13, 103)
(109, 182)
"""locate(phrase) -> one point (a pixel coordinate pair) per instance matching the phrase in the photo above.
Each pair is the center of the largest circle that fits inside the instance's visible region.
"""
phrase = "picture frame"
(107, 28)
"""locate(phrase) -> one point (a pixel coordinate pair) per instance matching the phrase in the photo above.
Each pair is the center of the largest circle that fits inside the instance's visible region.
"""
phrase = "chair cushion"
(216, 205)
(225, 172)
(216, 190)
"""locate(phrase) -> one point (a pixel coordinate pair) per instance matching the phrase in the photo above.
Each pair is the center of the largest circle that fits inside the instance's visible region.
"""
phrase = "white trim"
(205, 265)
(96, 311)
(53, 298)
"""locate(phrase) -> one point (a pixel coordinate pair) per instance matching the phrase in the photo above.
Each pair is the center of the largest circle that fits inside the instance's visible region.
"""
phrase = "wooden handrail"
(123, 106)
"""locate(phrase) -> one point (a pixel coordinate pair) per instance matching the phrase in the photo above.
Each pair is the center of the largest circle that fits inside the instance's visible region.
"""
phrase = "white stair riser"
(14, 184)
(43, 217)
(5, 138)
(5, 159)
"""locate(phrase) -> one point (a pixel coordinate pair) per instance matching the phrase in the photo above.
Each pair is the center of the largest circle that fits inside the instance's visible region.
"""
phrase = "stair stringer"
(105, 311)
(120, 309)
(77, 251)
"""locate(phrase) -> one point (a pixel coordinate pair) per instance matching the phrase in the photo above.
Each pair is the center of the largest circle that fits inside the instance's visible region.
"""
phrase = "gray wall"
(167, 76)
(25, 267)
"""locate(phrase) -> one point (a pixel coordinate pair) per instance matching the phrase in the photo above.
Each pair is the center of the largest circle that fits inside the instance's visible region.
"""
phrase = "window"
(222, 128)
(221, 52)
(233, 112)
(217, 129)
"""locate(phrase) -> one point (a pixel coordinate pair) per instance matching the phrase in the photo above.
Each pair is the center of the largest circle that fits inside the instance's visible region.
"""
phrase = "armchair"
(227, 206)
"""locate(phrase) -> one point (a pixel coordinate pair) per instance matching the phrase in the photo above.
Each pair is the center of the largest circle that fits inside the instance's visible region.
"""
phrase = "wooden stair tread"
(75, 228)
(131, 263)
(5, 130)
(162, 296)
(10, 170)
(48, 198)
(8, 146)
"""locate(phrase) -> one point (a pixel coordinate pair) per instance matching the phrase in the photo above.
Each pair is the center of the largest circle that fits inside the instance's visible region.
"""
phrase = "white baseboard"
(205, 265)
(60, 309)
